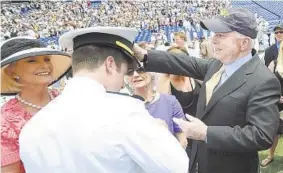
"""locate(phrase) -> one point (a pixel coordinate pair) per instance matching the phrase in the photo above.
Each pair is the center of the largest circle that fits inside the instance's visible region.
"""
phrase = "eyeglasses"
(278, 32)
(139, 71)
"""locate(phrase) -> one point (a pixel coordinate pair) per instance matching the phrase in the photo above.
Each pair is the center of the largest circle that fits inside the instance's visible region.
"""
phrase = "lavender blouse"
(165, 108)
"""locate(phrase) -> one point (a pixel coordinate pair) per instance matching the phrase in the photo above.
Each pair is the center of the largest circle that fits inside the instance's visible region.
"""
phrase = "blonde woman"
(277, 68)
(185, 89)
(27, 69)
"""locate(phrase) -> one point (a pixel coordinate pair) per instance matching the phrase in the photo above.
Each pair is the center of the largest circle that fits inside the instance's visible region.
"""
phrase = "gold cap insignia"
(118, 43)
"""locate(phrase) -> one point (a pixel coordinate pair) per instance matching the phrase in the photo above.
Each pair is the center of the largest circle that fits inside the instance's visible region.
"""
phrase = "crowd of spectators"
(48, 18)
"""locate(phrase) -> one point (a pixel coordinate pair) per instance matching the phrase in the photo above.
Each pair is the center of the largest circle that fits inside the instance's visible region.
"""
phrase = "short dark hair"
(91, 57)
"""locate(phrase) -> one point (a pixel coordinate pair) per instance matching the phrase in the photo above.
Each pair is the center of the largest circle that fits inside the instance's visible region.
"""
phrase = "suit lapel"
(231, 84)
(202, 96)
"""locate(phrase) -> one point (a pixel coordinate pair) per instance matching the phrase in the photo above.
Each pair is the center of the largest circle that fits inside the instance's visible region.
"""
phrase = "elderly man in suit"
(237, 113)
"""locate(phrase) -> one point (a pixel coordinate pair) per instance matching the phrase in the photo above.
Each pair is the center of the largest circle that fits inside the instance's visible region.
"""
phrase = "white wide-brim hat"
(61, 62)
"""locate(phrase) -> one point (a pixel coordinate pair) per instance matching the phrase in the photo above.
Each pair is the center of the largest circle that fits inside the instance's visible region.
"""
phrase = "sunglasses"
(139, 71)
(277, 32)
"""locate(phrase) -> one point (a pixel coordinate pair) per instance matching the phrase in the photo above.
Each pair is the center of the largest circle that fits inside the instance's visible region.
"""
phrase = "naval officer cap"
(120, 38)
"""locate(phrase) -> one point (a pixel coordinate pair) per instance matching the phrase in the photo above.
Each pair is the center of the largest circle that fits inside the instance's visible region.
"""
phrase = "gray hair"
(153, 80)
(153, 76)
(251, 41)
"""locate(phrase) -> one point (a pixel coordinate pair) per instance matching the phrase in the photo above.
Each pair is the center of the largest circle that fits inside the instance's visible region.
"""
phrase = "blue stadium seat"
(269, 10)
(274, 6)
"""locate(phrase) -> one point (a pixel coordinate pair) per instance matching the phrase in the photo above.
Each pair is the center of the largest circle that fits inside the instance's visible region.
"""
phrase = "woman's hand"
(182, 139)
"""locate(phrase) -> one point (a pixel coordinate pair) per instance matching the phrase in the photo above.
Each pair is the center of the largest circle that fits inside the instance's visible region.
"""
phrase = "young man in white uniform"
(87, 129)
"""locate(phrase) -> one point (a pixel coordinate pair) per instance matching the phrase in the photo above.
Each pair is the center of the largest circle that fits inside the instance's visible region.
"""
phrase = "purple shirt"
(165, 108)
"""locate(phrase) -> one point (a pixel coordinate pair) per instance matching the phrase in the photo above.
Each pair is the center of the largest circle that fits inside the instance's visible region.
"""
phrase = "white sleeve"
(152, 146)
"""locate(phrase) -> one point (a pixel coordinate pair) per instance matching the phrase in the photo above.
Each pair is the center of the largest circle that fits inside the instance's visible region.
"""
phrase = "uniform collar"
(82, 85)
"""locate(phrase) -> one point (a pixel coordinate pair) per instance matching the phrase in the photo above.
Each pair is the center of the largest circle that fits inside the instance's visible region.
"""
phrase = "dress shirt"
(230, 69)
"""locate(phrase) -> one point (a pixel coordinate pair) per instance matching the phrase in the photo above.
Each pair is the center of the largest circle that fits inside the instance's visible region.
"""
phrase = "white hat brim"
(66, 40)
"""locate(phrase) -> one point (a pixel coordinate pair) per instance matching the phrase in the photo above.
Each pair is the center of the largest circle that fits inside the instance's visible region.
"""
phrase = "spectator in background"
(180, 40)
(276, 66)
(185, 89)
(206, 48)
(271, 53)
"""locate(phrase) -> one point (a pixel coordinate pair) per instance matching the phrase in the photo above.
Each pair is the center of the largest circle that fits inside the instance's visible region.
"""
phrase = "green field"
(277, 165)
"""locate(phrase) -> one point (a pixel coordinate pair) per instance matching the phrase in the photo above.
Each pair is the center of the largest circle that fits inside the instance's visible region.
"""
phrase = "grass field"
(277, 165)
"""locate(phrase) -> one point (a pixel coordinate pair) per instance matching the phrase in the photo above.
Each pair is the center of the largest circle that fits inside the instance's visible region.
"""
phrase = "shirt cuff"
(206, 136)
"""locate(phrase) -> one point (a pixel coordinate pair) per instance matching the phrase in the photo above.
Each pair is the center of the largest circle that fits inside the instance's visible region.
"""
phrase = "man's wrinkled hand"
(194, 128)
(139, 52)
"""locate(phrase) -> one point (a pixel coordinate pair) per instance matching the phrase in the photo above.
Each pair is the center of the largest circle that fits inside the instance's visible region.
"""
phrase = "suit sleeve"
(172, 63)
(262, 118)
(145, 145)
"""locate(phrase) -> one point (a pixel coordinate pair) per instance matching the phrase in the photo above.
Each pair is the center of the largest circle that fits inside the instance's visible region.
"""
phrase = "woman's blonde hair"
(182, 35)
(163, 84)
(8, 82)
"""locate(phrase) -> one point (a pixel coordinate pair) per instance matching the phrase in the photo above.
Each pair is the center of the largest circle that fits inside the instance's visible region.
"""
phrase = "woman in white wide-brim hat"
(27, 69)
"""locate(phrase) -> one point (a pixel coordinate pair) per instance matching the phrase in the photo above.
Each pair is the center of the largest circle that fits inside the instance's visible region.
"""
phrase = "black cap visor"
(278, 27)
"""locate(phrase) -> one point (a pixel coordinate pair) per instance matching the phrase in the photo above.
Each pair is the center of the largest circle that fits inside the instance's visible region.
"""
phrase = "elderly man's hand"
(194, 128)
(139, 52)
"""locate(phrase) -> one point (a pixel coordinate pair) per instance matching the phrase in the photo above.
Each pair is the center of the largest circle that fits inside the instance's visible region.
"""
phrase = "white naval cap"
(121, 38)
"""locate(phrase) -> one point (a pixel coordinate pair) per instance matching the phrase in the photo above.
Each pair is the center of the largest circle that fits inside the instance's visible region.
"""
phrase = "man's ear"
(110, 64)
(245, 44)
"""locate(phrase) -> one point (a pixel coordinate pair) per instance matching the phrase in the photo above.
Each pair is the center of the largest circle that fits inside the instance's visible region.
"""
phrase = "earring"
(17, 78)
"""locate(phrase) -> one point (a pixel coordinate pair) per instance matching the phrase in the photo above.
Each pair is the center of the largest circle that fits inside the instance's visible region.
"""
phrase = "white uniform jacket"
(86, 130)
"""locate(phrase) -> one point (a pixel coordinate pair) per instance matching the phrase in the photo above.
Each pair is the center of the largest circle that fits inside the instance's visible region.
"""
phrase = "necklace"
(149, 101)
(31, 104)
